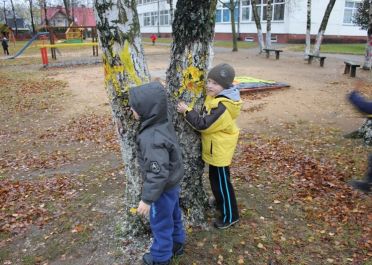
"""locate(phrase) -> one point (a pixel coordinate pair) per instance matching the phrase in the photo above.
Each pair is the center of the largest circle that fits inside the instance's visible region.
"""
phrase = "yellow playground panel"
(74, 33)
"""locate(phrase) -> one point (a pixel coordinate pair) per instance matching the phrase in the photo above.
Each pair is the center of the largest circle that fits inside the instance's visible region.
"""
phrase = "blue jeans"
(166, 225)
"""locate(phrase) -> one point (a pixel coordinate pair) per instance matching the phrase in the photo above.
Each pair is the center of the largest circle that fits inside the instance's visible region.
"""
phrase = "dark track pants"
(166, 225)
(223, 191)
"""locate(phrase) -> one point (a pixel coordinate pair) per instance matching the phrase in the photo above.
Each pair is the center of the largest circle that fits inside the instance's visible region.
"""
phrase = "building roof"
(84, 16)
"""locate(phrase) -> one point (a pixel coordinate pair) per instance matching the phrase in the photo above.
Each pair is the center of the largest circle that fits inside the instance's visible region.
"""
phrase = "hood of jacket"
(150, 102)
(231, 99)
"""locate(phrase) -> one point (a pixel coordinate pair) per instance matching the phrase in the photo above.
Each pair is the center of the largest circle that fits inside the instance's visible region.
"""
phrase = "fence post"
(44, 56)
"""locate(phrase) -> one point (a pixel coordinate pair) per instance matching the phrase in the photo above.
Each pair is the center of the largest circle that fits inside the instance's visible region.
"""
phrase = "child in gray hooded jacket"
(160, 159)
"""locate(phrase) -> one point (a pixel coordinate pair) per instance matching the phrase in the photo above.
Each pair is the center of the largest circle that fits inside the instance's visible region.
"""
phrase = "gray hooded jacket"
(159, 154)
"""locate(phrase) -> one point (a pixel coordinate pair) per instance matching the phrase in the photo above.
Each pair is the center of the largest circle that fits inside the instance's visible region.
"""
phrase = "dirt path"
(316, 94)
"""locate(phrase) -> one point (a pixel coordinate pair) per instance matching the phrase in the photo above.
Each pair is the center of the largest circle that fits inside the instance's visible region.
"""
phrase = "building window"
(278, 10)
(223, 12)
(147, 19)
(246, 10)
(164, 17)
(278, 7)
(351, 8)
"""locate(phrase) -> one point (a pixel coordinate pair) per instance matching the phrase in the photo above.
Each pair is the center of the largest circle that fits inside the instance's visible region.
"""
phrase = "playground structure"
(74, 38)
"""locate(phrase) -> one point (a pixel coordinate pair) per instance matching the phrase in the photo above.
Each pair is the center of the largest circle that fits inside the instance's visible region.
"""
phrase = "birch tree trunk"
(269, 15)
(32, 16)
(124, 67)
(323, 26)
(193, 32)
(308, 30)
(257, 20)
(368, 55)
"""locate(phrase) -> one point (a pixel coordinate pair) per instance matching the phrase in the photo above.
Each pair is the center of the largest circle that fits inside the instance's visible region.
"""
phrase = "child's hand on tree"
(143, 208)
(182, 107)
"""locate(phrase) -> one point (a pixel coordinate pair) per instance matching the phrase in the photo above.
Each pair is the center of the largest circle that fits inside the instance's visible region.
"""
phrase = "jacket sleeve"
(360, 102)
(207, 123)
(156, 171)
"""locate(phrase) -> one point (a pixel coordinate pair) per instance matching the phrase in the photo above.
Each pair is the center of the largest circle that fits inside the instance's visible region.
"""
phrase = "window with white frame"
(278, 10)
(278, 7)
(246, 10)
(351, 8)
(164, 17)
(223, 12)
(147, 19)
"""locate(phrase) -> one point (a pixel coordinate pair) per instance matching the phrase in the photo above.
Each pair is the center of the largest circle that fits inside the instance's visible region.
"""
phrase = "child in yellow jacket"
(219, 134)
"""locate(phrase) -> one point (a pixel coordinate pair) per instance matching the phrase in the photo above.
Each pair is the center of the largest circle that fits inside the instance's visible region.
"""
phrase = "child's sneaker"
(219, 224)
(361, 185)
(147, 260)
(178, 249)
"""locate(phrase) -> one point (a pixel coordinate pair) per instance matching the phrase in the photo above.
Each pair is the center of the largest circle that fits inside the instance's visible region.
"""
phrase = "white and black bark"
(125, 67)
(308, 30)
(323, 27)
(193, 32)
(257, 20)
(368, 53)
(269, 15)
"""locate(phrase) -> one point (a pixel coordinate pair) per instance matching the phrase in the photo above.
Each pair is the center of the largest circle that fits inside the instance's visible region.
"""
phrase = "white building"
(288, 24)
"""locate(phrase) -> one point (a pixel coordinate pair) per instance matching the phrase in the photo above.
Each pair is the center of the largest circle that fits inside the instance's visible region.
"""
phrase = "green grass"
(355, 48)
(226, 44)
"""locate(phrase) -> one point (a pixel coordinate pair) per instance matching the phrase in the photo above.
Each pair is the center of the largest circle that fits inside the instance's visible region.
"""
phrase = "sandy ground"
(316, 94)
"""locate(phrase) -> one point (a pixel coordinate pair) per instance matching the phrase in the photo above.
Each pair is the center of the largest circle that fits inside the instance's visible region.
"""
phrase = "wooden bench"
(277, 52)
(353, 66)
(312, 56)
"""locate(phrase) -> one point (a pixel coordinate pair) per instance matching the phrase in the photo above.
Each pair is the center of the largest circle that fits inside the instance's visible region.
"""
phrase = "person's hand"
(143, 208)
(181, 107)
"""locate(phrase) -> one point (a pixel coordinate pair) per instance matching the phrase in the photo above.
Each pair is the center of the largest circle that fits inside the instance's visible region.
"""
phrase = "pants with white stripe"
(223, 191)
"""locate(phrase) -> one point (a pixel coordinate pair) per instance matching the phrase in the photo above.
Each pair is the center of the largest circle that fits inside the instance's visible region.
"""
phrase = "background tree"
(257, 20)
(323, 26)
(363, 18)
(308, 29)
(124, 67)
(269, 15)
(14, 18)
(193, 31)
(67, 5)
(32, 16)
(231, 5)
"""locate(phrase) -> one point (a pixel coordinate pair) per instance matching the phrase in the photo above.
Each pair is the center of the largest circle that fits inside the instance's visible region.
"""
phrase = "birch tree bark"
(323, 26)
(257, 20)
(269, 15)
(368, 54)
(124, 67)
(193, 32)
(308, 30)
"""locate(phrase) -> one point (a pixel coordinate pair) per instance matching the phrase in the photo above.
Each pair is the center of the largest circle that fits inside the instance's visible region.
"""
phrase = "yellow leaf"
(133, 210)
(260, 245)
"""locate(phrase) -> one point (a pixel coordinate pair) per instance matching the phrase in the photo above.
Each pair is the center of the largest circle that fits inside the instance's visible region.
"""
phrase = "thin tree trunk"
(368, 55)
(257, 20)
(125, 67)
(269, 15)
(67, 5)
(323, 26)
(233, 30)
(193, 32)
(45, 13)
(171, 11)
(308, 30)
(14, 18)
(32, 17)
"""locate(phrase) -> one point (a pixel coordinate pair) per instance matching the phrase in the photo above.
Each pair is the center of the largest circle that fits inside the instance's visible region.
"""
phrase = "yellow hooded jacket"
(219, 132)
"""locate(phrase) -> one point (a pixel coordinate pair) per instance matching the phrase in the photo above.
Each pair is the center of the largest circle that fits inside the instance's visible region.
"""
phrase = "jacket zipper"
(211, 150)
